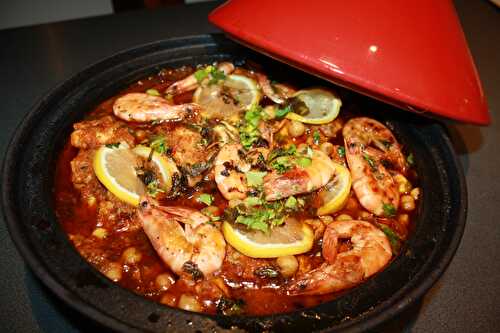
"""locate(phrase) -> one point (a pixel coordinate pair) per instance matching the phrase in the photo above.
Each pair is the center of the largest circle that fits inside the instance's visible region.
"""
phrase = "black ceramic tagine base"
(27, 179)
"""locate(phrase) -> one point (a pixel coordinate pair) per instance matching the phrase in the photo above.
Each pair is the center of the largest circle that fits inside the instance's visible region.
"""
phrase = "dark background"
(35, 59)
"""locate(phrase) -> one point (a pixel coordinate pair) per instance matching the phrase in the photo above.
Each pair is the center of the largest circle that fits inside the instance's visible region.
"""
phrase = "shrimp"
(370, 252)
(229, 172)
(198, 244)
(277, 93)
(371, 180)
(190, 82)
(300, 180)
(141, 107)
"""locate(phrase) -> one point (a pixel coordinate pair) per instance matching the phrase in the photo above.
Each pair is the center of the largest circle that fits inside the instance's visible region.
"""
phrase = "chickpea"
(344, 217)
(326, 147)
(91, 201)
(288, 265)
(168, 299)
(296, 128)
(189, 303)
(113, 271)
(164, 281)
(100, 233)
(326, 219)
(407, 203)
(131, 256)
(270, 111)
(404, 219)
(404, 186)
(415, 193)
(140, 135)
(365, 216)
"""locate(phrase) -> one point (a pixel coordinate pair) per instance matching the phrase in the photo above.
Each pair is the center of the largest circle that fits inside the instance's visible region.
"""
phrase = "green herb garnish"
(200, 74)
(394, 239)
(205, 198)
(158, 144)
(341, 151)
(113, 145)
(389, 210)
(316, 137)
(249, 132)
(192, 268)
(229, 307)
(255, 178)
(410, 159)
(303, 162)
(291, 203)
(370, 161)
(266, 272)
(280, 113)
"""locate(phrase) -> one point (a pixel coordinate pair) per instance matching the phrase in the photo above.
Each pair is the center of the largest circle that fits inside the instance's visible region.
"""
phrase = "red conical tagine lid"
(410, 54)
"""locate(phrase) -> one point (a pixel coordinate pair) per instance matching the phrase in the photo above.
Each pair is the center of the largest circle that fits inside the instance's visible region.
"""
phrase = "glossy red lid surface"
(412, 54)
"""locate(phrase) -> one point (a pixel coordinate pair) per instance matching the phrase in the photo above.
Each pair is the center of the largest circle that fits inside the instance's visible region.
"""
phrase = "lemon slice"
(334, 195)
(163, 164)
(116, 170)
(291, 238)
(323, 106)
(226, 99)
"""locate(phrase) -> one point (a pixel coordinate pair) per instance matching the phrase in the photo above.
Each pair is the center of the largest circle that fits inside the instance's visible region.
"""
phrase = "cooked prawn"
(370, 253)
(142, 107)
(229, 172)
(300, 180)
(198, 243)
(370, 150)
(190, 82)
(277, 93)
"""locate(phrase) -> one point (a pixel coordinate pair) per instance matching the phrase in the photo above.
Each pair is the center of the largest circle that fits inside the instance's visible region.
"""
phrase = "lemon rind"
(109, 181)
(338, 202)
(241, 243)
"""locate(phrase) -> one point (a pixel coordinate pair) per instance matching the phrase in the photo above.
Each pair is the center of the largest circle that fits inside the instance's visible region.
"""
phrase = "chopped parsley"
(249, 132)
(389, 210)
(229, 307)
(113, 145)
(303, 162)
(257, 214)
(153, 188)
(205, 198)
(410, 159)
(215, 75)
(341, 151)
(291, 203)
(316, 137)
(370, 161)
(284, 159)
(394, 239)
(192, 269)
(266, 272)
(280, 113)
(255, 178)
(159, 145)
(201, 74)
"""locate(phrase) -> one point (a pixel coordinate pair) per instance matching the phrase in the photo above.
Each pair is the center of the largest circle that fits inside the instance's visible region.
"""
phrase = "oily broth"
(79, 221)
